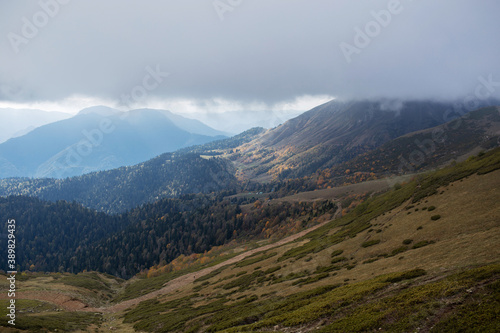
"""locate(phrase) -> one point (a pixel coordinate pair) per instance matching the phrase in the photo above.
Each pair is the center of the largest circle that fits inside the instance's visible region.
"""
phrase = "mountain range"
(421, 256)
(312, 151)
(336, 132)
(18, 122)
(99, 138)
(294, 228)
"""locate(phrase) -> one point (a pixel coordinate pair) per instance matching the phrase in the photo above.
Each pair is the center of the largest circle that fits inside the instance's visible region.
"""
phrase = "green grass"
(64, 321)
(359, 218)
(90, 281)
(27, 305)
(394, 302)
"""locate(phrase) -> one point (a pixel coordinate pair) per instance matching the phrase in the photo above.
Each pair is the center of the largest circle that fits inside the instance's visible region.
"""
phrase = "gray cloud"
(261, 51)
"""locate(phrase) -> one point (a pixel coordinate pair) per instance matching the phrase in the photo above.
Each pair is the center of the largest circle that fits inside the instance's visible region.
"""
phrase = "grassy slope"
(56, 302)
(386, 265)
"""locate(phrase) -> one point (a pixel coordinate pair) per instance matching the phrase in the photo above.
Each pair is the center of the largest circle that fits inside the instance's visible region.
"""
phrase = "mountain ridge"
(333, 133)
(98, 138)
(18, 122)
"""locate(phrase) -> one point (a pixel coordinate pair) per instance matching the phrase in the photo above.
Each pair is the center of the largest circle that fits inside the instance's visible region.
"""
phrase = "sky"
(192, 56)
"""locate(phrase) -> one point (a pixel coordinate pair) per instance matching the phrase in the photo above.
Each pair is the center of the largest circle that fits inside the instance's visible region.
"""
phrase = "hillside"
(333, 133)
(47, 232)
(476, 131)
(168, 175)
(118, 190)
(99, 138)
(431, 148)
(420, 257)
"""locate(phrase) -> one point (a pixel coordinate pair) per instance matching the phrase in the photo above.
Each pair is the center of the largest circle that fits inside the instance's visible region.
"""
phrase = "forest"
(64, 236)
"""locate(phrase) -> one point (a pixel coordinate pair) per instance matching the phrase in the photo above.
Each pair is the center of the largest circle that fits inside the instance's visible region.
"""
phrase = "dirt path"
(69, 303)
(184, 280)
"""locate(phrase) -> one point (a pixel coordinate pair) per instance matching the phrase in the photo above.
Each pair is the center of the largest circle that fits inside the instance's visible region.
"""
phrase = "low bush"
(370, 243)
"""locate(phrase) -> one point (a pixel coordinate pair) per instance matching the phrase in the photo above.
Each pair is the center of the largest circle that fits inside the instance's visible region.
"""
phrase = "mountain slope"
(47, 231)
(118, 190)
(17, 122)
(168, 175)
(477, 130)
(456, 140)
(334, 133)
(419, 257)
(97, 138)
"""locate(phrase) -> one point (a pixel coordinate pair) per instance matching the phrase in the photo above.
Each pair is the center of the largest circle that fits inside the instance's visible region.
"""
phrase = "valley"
(255, 166)
(432, 239)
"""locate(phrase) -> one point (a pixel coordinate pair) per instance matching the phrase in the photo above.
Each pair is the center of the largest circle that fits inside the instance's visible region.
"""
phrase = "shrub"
(337, 253)
(399, 250)
(272, 270)
(254, 259)
(369, 261)
(311, 279)
(435, 217)
(370, 243)
(431, 208)
(338, 259)
(407, 241)
(422, 244)
(406, 275)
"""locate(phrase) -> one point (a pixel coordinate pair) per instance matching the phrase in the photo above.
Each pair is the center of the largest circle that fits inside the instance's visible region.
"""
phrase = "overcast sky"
(242, 54)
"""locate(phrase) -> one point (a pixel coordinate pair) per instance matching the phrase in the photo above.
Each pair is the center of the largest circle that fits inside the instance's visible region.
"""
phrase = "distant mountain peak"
(100, 110)
(80, 145)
